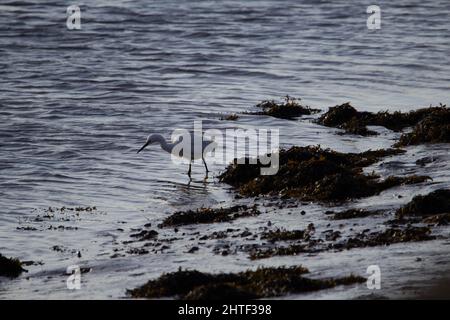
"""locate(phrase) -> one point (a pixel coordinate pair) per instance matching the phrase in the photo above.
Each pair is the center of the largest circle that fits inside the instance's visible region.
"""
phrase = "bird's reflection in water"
(190, 193)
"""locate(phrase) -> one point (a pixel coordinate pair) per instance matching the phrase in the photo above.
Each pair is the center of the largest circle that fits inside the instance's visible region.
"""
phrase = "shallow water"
(76, 105)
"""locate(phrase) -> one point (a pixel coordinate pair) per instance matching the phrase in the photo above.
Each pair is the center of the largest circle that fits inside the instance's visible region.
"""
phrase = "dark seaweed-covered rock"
(352, 214)
(352, 121)
(176, 283)
(438, 220)
(137, 251)
(331, 235)
(361, 240)
(338, 115)
(435, 128)
(209, 215)
(261, 283)
(286, 235)
(216, 235)
(315, 174)
(290, 109)
(291, 250)
(346, 117)
(145, 235)
(426, 160)
(398, 121)
(10, 267)
(392, 181)
(338, 187)
(387, 237)
(372, 156)
(436, 202)
(230, 117)
(354, 126)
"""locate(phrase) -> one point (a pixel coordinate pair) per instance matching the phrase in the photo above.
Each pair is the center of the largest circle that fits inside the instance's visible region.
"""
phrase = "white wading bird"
(180, 147)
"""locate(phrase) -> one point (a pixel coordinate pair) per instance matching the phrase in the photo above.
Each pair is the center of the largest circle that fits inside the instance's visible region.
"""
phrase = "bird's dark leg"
(189, 171)
(206, 167)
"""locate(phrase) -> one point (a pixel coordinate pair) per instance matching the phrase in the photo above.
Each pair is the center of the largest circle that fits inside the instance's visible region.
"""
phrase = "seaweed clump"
(230, 117)
(434, 128)
(290, 250)
(261, 283)
(315, 174)
(387, 237)
(145, 235)
(286, 235)
(10, 267)
(209, 215)
(346, 117)
(361, 240)
(438, 220)
(434, 203)
(352, 214)
(291, 108)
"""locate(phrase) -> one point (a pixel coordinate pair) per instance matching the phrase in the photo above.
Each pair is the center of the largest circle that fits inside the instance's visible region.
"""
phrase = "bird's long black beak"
(143, 147)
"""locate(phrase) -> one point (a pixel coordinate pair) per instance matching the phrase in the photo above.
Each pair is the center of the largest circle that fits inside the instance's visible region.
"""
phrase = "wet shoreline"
(408, 223)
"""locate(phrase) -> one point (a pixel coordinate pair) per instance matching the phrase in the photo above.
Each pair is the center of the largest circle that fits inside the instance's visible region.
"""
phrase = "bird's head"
(151, 139)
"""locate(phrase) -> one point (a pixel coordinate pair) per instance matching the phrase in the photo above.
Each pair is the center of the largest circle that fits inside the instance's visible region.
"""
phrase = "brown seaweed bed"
(261, 283)
(10, 267)
(289, 109)
(434, 203)
(315, 174)
(430, 125)
(432, 209)
(360, 240)
(282, 242)
(208, 215)
(352, 214)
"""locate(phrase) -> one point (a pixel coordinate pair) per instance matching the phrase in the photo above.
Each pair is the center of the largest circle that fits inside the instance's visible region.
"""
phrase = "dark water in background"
(76, 105)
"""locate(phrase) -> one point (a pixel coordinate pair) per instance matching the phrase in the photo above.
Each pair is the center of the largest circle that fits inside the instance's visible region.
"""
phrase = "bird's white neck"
(163, 143)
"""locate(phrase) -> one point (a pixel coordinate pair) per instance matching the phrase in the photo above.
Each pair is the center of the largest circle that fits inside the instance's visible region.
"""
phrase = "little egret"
(195, 153)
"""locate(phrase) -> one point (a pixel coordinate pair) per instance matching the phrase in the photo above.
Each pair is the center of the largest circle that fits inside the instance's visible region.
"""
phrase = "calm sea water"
(75, 105)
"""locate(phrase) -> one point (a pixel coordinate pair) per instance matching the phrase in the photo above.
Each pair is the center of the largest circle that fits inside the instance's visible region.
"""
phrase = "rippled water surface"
(75, 105)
